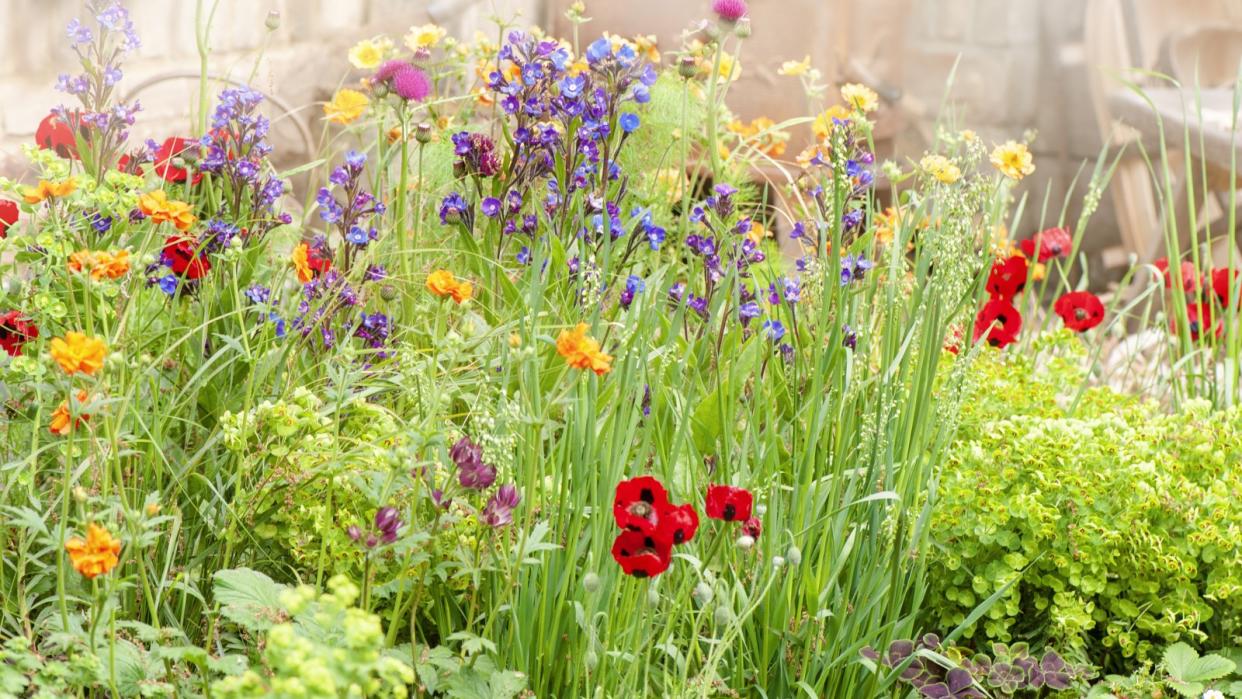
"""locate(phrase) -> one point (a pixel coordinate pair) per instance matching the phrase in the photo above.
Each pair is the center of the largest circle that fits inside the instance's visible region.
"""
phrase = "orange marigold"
(78, 353)
(582, 351)
(301, 262)
(97, 555)
(102, 265)
(62, 422)
(161, 209)
(442, 283)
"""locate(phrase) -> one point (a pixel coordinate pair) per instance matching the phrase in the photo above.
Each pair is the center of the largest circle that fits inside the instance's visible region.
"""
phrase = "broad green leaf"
(249, 598)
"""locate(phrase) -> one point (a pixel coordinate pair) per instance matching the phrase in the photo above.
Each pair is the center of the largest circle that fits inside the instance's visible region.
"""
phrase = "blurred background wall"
(1020, 64)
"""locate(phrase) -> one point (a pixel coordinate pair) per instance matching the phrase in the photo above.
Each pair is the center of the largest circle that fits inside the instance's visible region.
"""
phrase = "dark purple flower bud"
(354, 532)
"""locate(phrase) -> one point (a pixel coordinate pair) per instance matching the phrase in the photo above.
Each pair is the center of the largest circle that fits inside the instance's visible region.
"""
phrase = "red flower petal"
(8, 216)
(1008, 278)
(638, 503)
(1190, 275)
(1081, 310)
(678, 523)
(641, 555)
(1199, 316)
(15, 331)
(999, 322)
(185, 257)
(1054, 242)
(1224, 285)
(56, 134)
(728, 503)
(172, 157)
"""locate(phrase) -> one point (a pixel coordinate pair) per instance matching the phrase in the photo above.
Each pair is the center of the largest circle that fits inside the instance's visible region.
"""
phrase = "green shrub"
(1117, 525)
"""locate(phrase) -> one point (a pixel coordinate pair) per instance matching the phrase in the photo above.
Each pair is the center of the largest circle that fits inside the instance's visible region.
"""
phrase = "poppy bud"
(422, 132)
(745, 542)
(653, 596)
(687, 67)
(793, 555)
(592, 659)
(723, 615)
(703, 593)
(590, 582)
(778, 561)
(273, 20)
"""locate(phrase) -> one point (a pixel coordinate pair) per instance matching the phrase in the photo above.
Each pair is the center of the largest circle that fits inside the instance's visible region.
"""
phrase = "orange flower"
(442, 283)
(301, 262)
(161, 209)
(78, 353)
(34, 195)
(95, 556)
(582, 351)
(62, 422)
(102, 265)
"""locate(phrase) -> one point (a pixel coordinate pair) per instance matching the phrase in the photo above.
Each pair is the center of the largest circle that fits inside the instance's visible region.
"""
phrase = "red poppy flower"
(1007, 279)
(1199, 316)
(641, 555)
(54, 133)
(8, 216)
(1190, 275)
(1054, 242)
(999, 321)
(753, 527)
(319, 259)
(1224, 284)
(678, 523)
(1081, 310)
(185, 257)
(15, 331)
(123, 164)
(173, 156)
(638, 504)
(728, 503)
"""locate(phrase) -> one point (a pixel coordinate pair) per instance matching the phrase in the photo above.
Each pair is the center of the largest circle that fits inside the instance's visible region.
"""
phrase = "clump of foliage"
(1105, 526)
(1183, 671)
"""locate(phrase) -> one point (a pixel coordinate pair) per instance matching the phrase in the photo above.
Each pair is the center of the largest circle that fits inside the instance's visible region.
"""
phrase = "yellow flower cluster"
(369, 53)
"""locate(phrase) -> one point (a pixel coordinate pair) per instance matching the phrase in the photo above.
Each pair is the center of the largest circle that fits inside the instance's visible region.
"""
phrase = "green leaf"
(1208, 668)
(249, 598)
(1177, 658)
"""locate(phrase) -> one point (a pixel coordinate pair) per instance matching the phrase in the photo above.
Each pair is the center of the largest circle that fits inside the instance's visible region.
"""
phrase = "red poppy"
(728, 503)
(1190, 276)
(1199, 317)
(999, 321)
(638, 504)
(15, 331)
(1007, 279)
(641, 555)
(752, 527)
(1081, 310)
(1224, 284)
(678, 523)
(54, 133)
(319, 259)
(185, 257)
(1054, 242)
(172, 158)
(8, 216)
(123, 164)
(953, 341)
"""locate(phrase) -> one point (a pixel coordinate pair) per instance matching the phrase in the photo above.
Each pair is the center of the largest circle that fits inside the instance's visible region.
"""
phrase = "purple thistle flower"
(729, 10)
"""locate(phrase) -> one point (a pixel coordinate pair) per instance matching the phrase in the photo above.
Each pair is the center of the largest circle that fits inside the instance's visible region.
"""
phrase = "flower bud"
(723, 615)
(742, 30)
(388, 292)
(273, 20)
(703, 593)
(745, 542)
(687, 67)
(79, 493)
(591, 659)
(793, 555)
(653, 596)
(422, 132)
(515, 340)
(778, 561)
(590, 582)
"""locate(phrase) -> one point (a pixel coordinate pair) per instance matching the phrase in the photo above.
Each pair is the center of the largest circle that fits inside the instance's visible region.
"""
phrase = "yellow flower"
(757, 232)
(648, 46)
(582, 351)
(941, 168)
(860, 97)
(730, 67)
(511, 71)
(442, 283)
(346, 106)
(424, 37)
(578, 67)
(822, 126)
(34, 195)
(301, 262)
(62, 422)
(369, 53)
(1013, 160)
(102, 265)
(795, 68)
(78, 353)
(97, 555)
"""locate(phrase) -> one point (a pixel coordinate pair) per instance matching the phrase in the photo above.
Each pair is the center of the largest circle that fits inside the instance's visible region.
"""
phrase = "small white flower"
(1213, 694)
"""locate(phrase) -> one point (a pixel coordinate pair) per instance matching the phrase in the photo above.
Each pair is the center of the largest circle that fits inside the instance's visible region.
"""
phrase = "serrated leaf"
(249, 598)
(1177, 657)
(1208, 668)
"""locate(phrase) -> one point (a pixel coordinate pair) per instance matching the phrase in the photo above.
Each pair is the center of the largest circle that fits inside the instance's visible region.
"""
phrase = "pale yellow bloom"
(369, 53)
(822, 126)
(941, 168)
(1013, 160)
(425, 37)
(860, 97)
(730, 67)
(346, 106)
(796, 68)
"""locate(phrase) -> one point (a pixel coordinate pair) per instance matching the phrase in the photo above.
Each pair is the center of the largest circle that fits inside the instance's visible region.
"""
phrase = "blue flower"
(629, 122)
(853, 268)
(355, 159)
(358, 236)
(452, 209)
(773, 329)
(168, 284)
(523, 256)
(490, 207)
(599, 50)
(635, 284)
